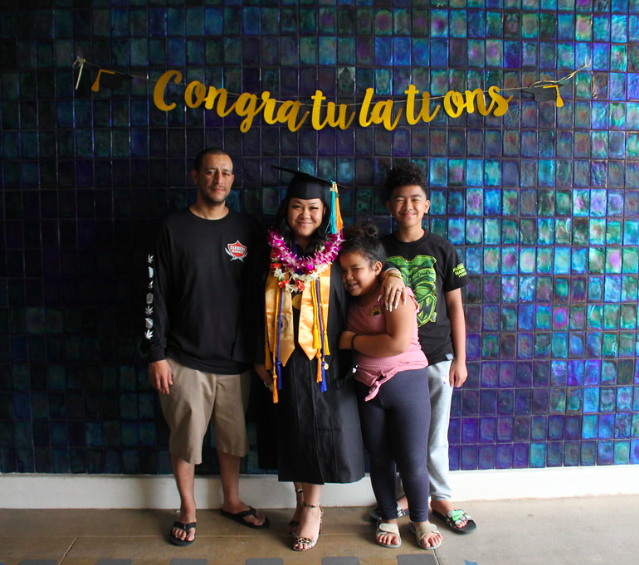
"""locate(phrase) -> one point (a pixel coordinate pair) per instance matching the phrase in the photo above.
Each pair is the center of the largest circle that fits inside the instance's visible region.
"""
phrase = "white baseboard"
(158, 492)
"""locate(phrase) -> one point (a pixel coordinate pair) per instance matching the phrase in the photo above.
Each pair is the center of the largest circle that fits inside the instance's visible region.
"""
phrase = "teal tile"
(492, 231)
(627, 345)
(628, 288)
(583, 27)
(613, 260)
(577, 319)
(510, 232)
(530, 25)
(618, 58)
(474, 231)
(628, 316)
(611, 316)
(595, 316)
(630, 260)
(557, 401)
(545, 231)
(545, 260)
(610, 345)
(492, 263)
(527, 260)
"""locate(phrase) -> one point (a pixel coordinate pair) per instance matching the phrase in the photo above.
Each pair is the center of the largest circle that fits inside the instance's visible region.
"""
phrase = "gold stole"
(312, 334)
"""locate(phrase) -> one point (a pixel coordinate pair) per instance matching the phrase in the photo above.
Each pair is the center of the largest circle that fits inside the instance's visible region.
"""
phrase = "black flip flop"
(451, 518)
(186, 528)
(239, 518)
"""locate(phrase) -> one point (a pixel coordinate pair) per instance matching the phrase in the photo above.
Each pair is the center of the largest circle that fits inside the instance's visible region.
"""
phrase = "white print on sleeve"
(148, 310)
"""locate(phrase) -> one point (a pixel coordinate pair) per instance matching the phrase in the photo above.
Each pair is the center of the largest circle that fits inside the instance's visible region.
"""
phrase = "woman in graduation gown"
(316, 423)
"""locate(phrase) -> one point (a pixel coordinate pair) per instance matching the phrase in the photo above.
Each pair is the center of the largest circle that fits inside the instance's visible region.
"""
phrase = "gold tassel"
(316, 313)
(319, 366)
(324, 314)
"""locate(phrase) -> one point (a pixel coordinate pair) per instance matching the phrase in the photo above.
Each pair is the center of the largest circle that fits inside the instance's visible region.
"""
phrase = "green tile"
(610, 345)
(527, 260)
(545, 260)
(583, 27)
(628, 288)
(630, 260)
(563, 202)
(511, 202)
(563, 228)
(510, 232)
(597, 231)
(614, 232)
(628, 316)
(562, 288)
(596, 260)
(545, 231)
(611, 316)
(577, 319)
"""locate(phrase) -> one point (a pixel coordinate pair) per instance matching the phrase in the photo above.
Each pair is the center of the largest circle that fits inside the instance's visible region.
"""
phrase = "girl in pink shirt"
(392, 388)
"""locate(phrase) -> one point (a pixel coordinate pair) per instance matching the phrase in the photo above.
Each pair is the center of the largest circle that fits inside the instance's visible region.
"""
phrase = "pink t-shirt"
(375, 371)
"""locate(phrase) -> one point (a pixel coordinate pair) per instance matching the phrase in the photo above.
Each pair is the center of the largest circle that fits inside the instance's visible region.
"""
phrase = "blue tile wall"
(542, 204)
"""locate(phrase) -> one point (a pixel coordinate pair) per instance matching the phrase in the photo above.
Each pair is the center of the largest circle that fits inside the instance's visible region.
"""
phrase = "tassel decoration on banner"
(544, 91)
(108, 79)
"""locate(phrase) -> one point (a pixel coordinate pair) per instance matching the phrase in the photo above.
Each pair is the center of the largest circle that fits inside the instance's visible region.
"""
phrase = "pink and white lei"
(294, 272)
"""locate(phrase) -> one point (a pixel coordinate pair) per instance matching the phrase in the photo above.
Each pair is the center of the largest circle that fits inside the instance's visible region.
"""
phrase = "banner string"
(541, 83)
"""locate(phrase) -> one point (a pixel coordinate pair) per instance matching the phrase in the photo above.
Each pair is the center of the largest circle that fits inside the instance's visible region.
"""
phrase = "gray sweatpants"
(441, 393)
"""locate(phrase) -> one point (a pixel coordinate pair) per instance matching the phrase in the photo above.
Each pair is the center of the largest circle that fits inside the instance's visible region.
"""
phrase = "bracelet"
(353, 341)
(394, 274)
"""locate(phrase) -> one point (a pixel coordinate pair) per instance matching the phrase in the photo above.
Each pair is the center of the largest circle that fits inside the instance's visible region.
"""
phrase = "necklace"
(294, 272)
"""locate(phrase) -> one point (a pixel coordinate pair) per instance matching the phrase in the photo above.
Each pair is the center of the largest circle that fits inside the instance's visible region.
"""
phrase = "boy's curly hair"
(405, 174)
(363, 239)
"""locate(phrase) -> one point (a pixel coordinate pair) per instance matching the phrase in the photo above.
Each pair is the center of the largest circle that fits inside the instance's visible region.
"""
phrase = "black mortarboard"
(544, 90)
(306, 186)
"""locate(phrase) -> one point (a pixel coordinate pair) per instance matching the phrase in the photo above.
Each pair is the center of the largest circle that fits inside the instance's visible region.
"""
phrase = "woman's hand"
(393, 289)
(264, 374)
(346, 339)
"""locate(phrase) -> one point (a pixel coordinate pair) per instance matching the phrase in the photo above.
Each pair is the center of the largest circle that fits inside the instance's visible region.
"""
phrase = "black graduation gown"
(317, 434)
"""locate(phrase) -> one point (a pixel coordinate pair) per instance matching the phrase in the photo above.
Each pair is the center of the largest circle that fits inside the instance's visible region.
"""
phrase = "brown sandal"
(293, 524)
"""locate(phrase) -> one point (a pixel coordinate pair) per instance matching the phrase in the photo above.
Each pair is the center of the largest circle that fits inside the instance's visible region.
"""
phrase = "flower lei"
(293, 272)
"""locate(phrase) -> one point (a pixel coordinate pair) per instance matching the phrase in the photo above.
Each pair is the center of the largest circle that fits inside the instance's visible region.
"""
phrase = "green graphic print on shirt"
(419, 275)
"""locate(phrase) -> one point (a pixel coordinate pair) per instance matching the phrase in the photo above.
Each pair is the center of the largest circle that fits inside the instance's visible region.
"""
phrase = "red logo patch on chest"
(236, 251)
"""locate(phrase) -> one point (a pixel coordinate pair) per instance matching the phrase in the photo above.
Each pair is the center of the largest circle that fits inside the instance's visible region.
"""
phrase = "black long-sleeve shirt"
(196, 306)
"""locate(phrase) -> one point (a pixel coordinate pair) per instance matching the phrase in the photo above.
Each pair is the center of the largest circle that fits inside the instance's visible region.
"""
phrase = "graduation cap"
(544, 90)
(307, 187)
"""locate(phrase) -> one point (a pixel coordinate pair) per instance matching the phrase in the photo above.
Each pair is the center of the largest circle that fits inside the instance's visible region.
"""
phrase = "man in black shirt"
(198, 358)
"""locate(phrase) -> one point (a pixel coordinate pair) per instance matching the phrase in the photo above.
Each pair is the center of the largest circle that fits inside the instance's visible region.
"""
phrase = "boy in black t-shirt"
(431, 267)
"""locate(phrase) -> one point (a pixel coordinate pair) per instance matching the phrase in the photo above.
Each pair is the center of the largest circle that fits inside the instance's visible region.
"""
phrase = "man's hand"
(264, 374)
(160, 376)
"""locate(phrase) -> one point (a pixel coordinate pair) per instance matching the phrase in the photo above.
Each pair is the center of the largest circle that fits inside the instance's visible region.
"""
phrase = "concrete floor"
(528, 532)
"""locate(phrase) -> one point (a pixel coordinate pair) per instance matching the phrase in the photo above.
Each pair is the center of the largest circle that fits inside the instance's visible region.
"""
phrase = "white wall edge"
(37, 491)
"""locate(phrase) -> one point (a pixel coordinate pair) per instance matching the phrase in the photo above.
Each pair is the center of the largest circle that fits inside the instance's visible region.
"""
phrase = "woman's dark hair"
(405, 174)
(363, 239)
(281, 224)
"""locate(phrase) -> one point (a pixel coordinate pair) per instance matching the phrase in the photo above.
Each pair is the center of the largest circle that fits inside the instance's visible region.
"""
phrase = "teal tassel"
(332, 222)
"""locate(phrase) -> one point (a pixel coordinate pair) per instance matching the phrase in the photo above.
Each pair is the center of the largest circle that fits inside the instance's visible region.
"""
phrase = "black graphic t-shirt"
(431, 267)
